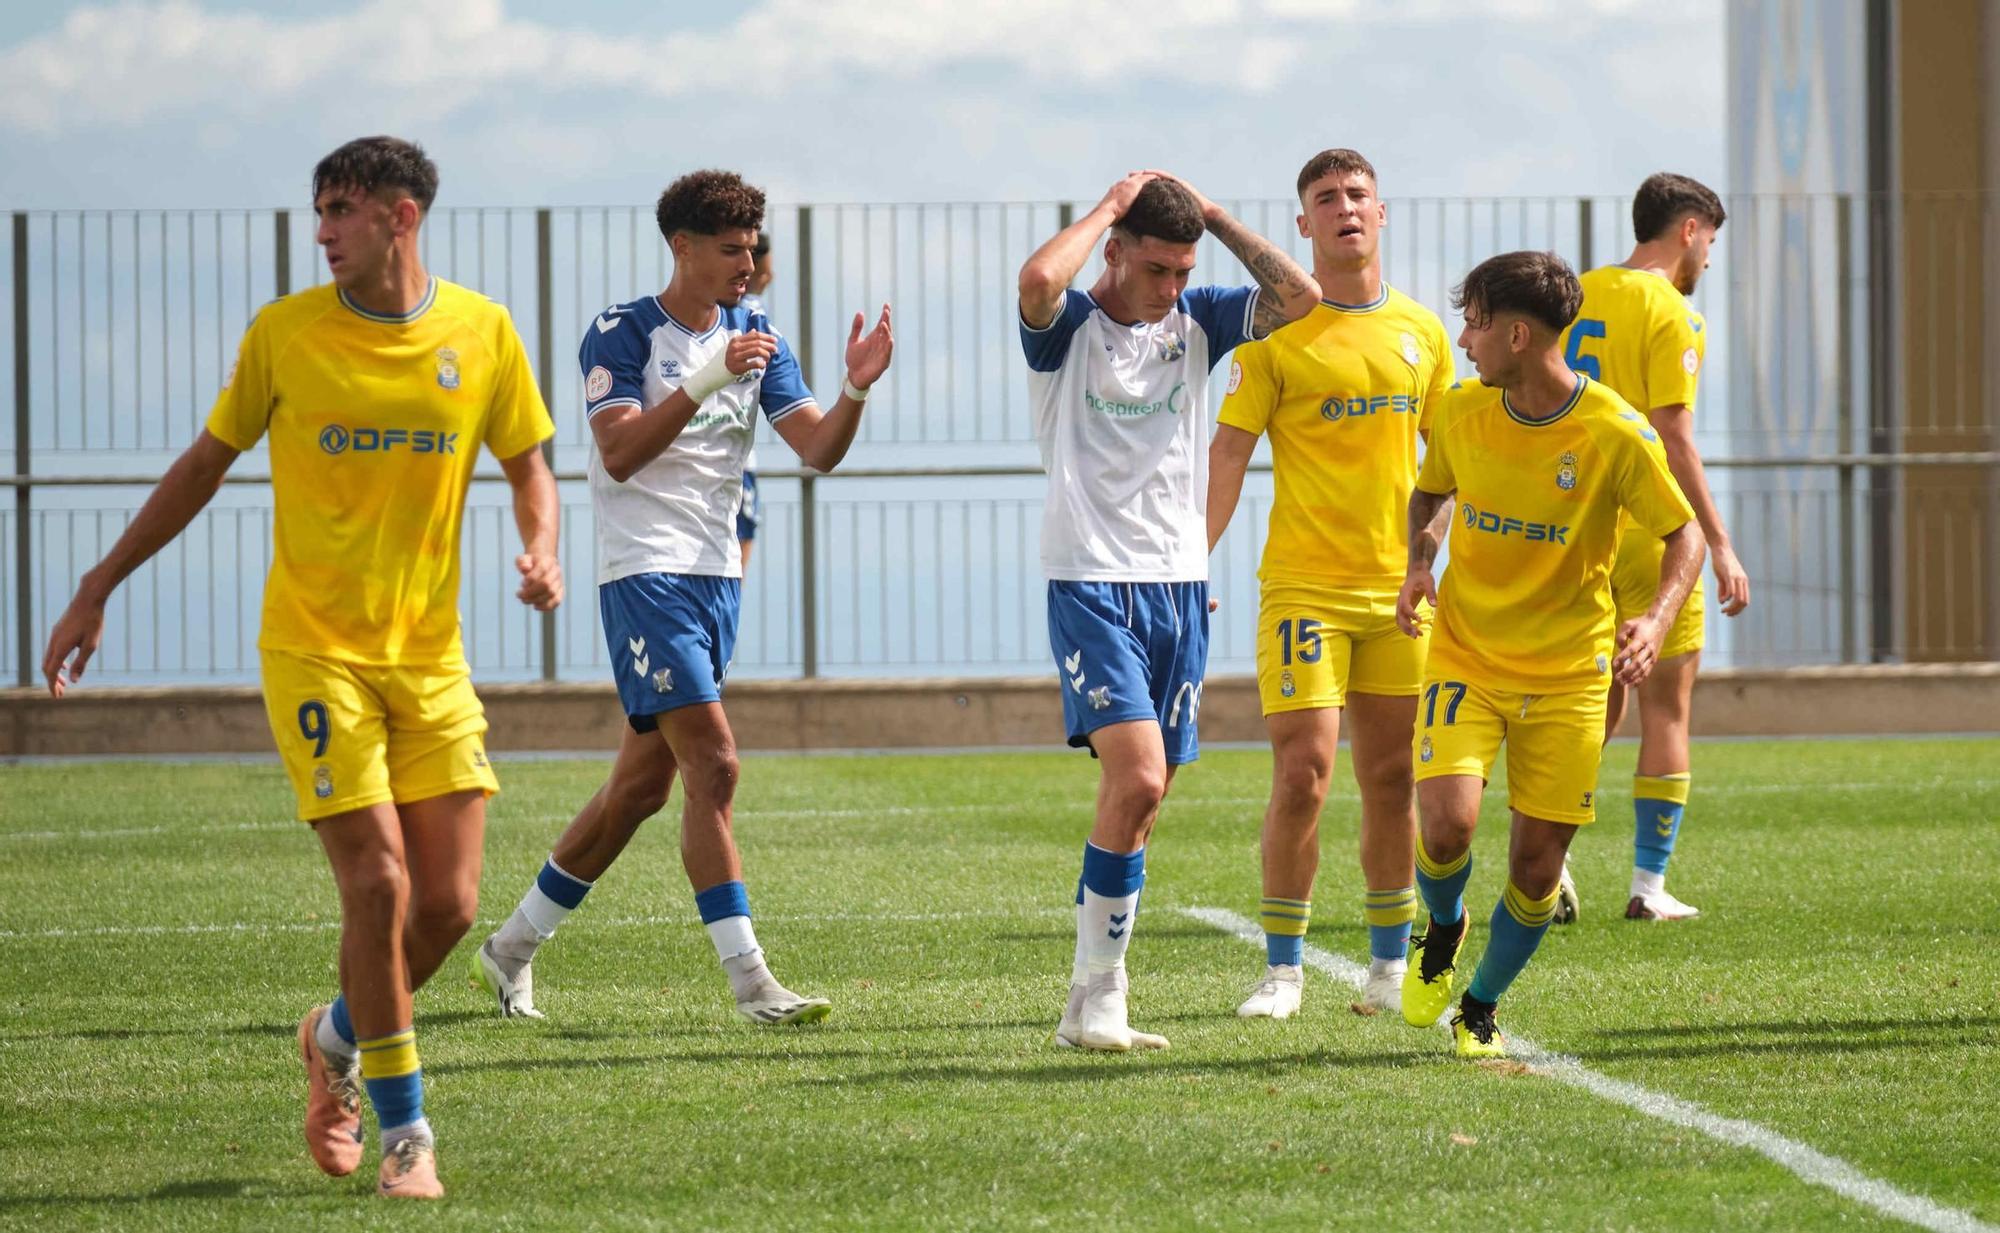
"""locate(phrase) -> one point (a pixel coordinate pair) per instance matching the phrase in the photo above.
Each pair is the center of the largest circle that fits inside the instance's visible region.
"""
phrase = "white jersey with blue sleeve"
(677, 514)
(1121, 415)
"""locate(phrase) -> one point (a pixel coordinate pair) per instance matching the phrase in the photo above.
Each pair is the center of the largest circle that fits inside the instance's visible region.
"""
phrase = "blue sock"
(723, 900)
(564, 888)
(1658, 802)
(1443, 886)
(394, 1078)
(337, 1015)
(1516, 930)
(1285, 922)
(1389, 913)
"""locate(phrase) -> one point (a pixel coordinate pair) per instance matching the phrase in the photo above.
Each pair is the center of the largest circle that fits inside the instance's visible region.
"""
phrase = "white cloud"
(116, 65)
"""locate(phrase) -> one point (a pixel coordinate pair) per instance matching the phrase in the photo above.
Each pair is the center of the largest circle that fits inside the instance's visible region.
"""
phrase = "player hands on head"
(1543, 462)
(672, 384)
(1118, 378)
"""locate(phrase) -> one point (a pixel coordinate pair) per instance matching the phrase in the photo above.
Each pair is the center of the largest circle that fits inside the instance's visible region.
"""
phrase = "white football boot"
(515, 994)
(1567, 905)
(1384, 990)
(764, 1001)
(1101, 1022)
(1277, 995)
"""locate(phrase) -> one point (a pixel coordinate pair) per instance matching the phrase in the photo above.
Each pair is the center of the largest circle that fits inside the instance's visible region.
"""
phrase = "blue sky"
(226, 102)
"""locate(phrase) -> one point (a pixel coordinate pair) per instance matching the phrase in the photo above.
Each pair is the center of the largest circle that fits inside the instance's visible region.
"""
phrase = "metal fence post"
(1585, 248)
(808, 508)
(281, 250)
(1843, 300)
(544, 369)
(24, 572)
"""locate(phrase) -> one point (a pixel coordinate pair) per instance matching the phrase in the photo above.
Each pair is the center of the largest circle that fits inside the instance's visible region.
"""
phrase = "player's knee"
(711, 775)
(445, 912)
(1386, 782)
(1139, 791)
(635, 800)
(375, 889)
(1300, 780)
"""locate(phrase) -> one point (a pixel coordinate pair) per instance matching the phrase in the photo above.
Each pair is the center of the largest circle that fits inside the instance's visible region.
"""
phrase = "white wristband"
(710, 377)
(848, 388)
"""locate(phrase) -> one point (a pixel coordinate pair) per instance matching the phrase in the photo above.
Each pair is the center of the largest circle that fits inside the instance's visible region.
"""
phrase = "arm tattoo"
(1427, 527)
(1278, 277)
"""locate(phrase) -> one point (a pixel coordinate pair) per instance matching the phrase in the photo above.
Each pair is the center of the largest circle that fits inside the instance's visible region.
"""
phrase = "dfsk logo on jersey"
(339, 439)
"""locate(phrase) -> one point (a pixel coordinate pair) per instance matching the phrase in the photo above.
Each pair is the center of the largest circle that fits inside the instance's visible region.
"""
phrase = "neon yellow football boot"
(1427, 981)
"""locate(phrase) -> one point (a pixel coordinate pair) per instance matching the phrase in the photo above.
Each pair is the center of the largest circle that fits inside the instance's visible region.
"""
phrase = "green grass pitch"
(162, 928)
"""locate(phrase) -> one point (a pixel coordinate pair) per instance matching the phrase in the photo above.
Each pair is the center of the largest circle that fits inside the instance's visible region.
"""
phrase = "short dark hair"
(1665, 199)
(1327, 162)
(1163, 209)
(763, 246)
(1536, 285)
(373, 164)
(708, 202)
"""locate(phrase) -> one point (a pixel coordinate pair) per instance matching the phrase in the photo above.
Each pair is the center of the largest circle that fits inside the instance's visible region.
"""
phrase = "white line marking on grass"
(616, 922)
(1810, 1165)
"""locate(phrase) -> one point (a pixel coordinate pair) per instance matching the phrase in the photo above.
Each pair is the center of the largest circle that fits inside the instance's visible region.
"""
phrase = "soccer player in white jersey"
(672, 384)
(1118, 379)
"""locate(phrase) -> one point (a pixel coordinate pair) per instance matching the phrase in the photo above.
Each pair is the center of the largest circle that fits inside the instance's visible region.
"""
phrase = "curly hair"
(1164, 209)
(1327, 162)
(708, 202)
(373, 164)
(1665, 199)
(1540, 286)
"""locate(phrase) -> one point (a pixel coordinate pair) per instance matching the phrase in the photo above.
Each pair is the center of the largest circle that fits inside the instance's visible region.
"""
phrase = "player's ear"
(406, 215)
(1113, 249)
(1305, 230)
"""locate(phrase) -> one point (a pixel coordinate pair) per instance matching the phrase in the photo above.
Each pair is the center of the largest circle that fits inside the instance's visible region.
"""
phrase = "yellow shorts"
(1635, 579)
(1553, 744)
(354, 735)
(1314, 644)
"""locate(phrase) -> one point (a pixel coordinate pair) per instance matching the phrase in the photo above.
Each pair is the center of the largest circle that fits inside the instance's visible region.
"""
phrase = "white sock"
(732, 936)
(1646, 882)
(337, 1050)
(1385, 967)
(393, 1135)
(1079, 968)
(1105, 926)
(530, 925)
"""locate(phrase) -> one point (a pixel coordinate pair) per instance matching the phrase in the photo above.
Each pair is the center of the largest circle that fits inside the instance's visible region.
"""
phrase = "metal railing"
(920, 555)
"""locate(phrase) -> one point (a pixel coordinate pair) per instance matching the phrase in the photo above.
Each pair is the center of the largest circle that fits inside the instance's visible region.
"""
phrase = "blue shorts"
(751, 512)
(671, 638)
(1131, 650)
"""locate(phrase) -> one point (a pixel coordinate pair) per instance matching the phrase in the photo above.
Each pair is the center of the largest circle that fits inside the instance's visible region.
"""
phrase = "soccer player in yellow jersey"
(376, 393)
(1343, 394)
(1543, 462)
(1638, 334)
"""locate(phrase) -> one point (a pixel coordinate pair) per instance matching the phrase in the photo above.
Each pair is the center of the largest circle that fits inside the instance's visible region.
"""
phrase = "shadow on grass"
(152, 1032)
(1806, 1036)
(192, 1188)
(1081, 1067)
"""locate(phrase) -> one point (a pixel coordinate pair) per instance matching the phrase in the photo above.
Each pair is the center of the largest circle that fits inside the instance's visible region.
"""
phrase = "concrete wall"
(955, 713)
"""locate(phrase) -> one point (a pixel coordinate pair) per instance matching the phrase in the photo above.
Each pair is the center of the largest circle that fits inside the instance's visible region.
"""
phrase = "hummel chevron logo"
(636, 645)
(606, 323)
(1071, 661)
(1119, 920)
(1118, 924)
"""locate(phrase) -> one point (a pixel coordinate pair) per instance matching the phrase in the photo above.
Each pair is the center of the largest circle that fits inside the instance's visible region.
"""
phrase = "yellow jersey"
(1525, 604)
(375, 424)
(1342, 393)
(1639, 335)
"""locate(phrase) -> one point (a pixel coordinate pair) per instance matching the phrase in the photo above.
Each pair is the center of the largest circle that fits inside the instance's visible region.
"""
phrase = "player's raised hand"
(868, 358)
(1118, 198)
(750, 350)
(79, 629)
(1418, 585)
(1732, 585)
(541, 581)
(1638, 650)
